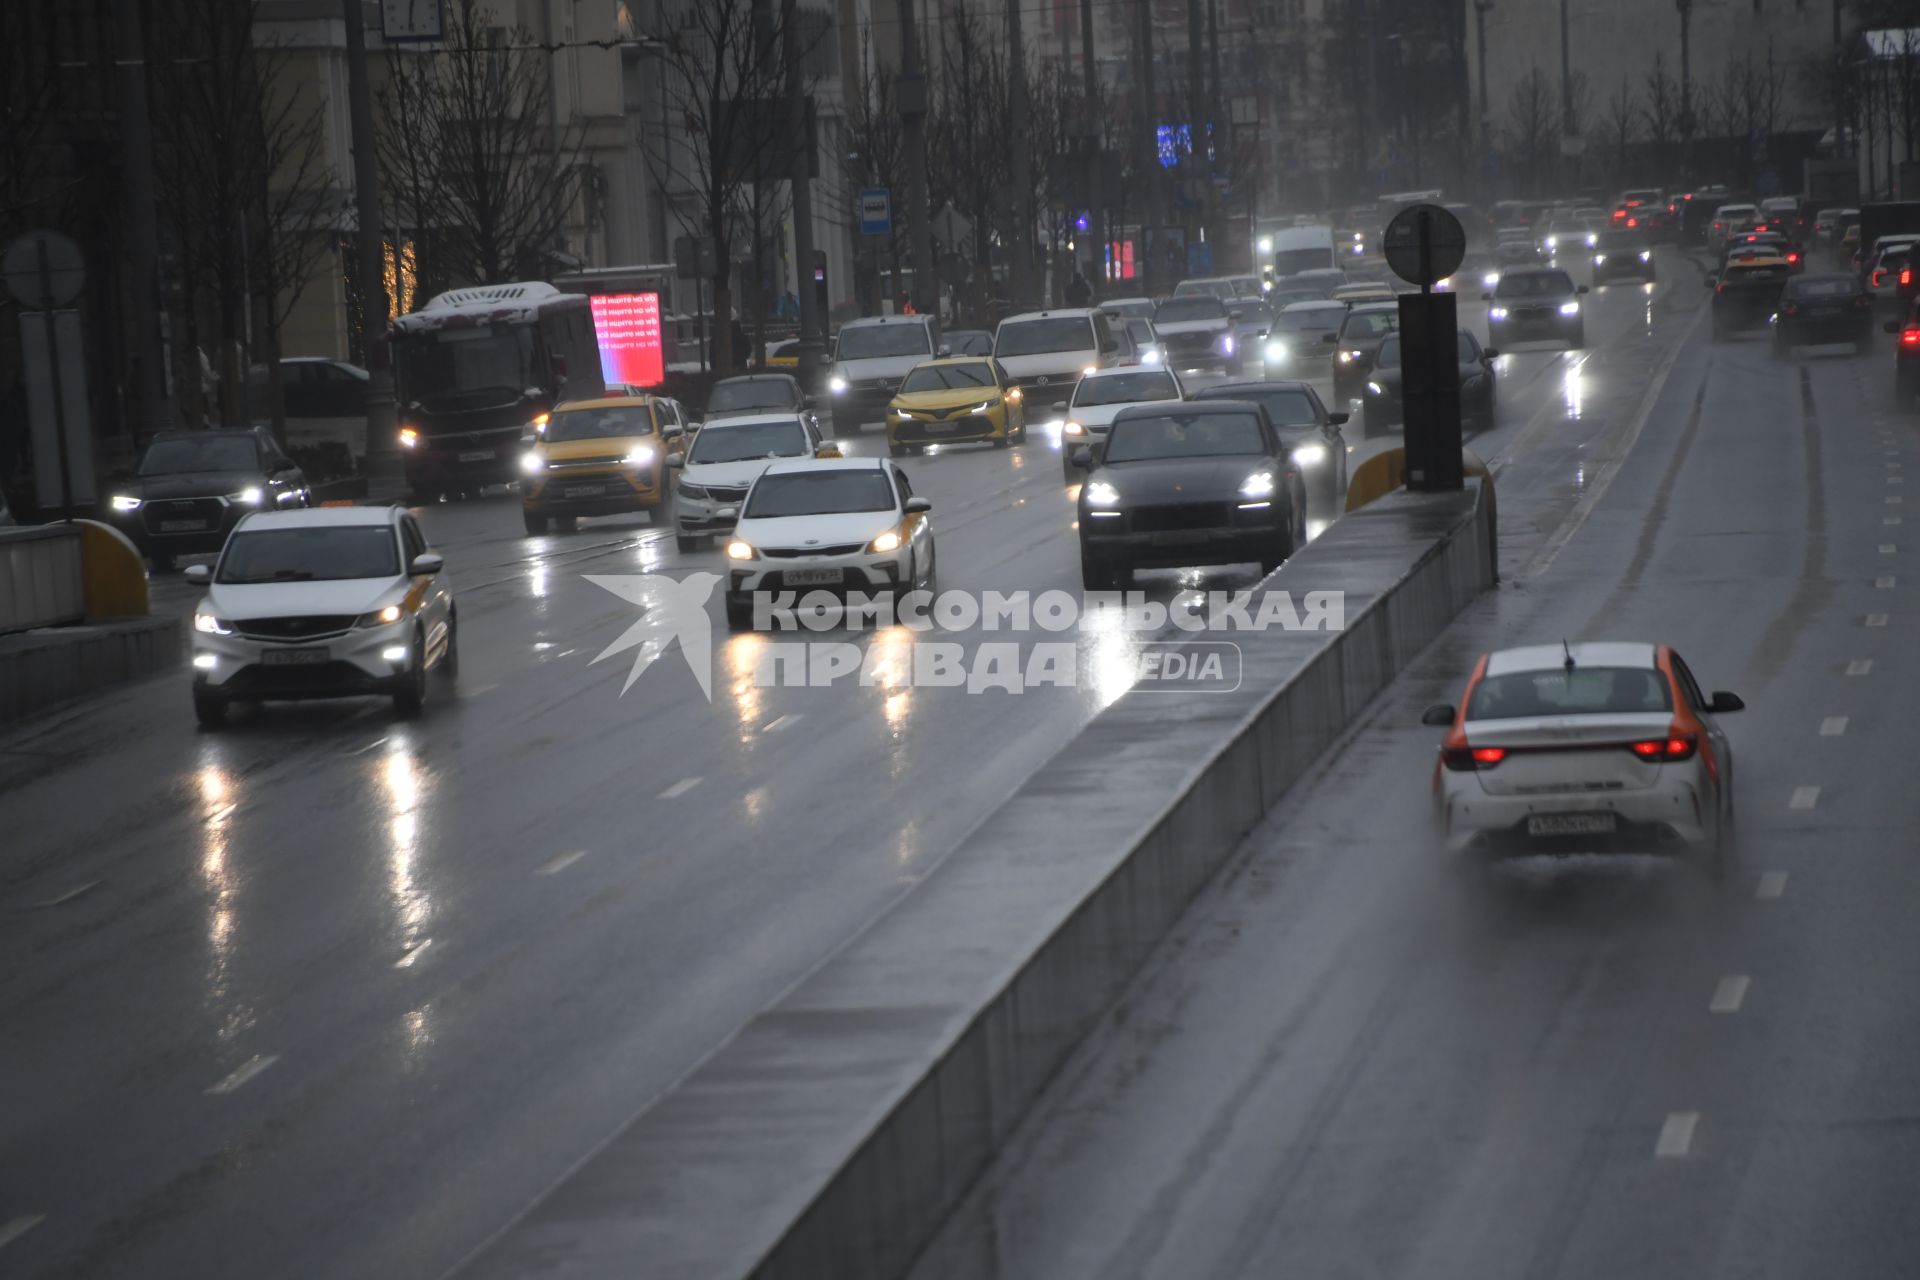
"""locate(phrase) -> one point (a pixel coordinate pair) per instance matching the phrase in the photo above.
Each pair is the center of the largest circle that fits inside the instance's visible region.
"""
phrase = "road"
(1355, 1060)
(327, 994)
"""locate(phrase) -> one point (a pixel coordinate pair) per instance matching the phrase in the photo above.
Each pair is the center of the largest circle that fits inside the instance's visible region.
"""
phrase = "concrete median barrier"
(837, 1130)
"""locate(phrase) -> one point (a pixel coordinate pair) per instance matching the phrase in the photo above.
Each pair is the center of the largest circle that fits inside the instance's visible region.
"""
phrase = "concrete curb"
(41, 669)
(836, 1132)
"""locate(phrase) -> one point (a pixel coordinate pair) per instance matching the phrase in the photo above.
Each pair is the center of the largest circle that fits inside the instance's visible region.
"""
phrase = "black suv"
(1536, 302)
(1830, 307)
(1622, 255)
(189, 488)
(1747, 293)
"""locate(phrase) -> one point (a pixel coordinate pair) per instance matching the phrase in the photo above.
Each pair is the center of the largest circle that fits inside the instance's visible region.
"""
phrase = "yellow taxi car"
(784, 355)
(600, 457)
(954, 401)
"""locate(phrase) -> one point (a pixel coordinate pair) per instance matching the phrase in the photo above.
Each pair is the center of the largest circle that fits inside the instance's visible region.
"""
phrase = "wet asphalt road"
(328, 994)
(1353, 1060)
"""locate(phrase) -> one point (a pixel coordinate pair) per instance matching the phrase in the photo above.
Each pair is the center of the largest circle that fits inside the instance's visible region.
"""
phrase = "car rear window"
(1558, 692)
(1124, 388)
(1824, 287)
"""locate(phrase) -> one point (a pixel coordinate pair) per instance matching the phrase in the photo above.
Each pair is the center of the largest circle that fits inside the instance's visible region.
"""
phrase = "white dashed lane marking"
(71, 894)
(1804, 798)
(1876, 619)
(1728, 996)
(1772, 885)
(782, 722)
(1883, 584)
(1676, 1135)
(1833, 726)
(1859, 666)
(679, 788)
(244, 1072)
(14, 1228)
(412, 953)
(561, 863)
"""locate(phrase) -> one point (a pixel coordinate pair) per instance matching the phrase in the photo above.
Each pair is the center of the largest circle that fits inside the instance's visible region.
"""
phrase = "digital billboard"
(627, 328)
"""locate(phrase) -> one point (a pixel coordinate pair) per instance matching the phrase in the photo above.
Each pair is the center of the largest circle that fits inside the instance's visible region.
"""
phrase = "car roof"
(1131, 298)
(1818, 277)
(1115, 371)
(1319, 304)
(982, 358)
(1154, 410)
(869, 322)
(321, 518)
(790, 416)
(1533, 271)
(253, 433)
(602, 402)
(855, 463)
(757, 377)
(1056, 313)
(1553, 657)
(1235, 389)
(1376, 308)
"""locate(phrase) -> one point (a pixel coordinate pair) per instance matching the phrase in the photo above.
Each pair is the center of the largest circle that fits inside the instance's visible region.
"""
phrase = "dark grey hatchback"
(190, 488)
(1200, 483)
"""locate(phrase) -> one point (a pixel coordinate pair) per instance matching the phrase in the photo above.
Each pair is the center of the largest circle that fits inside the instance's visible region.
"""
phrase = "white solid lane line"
(1859, 666)
(679, 788)
(221, 815)
(71, 894)
(1876, 619)
(1676, 1135)
(781, 723)
(1890, 520)
(412, 954)
(1883, 583)
(14, 1228)
(1893, 499)
(1732, 991)
(1888, 548)
(1772, 885)
(561, 863)
(1833, 726)
(360, 751)
(1804, 798)
(244, 1072)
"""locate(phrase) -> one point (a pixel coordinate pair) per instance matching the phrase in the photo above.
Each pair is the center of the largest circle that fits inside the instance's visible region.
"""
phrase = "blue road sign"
(876, 211)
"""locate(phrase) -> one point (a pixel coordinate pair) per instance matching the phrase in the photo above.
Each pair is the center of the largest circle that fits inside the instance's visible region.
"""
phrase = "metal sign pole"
(59, 392)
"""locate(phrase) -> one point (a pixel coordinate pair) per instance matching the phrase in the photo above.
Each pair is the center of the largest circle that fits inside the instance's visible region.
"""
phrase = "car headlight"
(1497, 313)
(640, 455)
(738, 550)
(1089, 371)
(539, 423)
(1257, 485)
(252, 495)
(1101, 494)
(1592, 240)
(409, 438)
(1276, 352)
(1348, 357)
(686, 490)
(122, 502)
(888, 541)
(1443, 283)
(1646, 255)
(1266, 244)
(532, 463)
(1072, 428)
(379, 617)
(982, 407)
(1490, 279)
(207, 624)
(1226, 343)
(1310, 455)
(836, 384)
(1552, 241)
(1599, 259)
(1150, 355)
(1570, 308)
(1376, 388)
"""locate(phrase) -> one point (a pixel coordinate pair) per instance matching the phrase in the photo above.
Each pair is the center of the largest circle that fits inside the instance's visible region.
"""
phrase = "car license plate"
(293, 657)
(183, 526)
(1571, 824)
(941, 428)
(1180, 538)
(1819, 312)
(586, 491)
(477, 455)
(811, 577)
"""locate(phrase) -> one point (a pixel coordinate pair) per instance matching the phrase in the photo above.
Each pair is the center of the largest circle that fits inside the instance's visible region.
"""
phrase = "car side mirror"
(1711, 280)
(198, 574)
(281, 466)
(1438, 715)
(672, 432)
(676, 459)
(1329, 337)
(1082, 456)
(809, 402)
(919, 504)
(1060, 406)
(428, 562)
(943, 351)
(1491, 353)
(727, 513)
(1724, 703)
(1891, 326)
(1339, 419)
(1233, 315)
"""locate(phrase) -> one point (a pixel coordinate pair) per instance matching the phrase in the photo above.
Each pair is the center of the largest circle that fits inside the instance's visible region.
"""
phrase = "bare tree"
(1619, 128)
(873, 130)
(968, 160)
(1533, 122)
(1660, 110)
(29, 99)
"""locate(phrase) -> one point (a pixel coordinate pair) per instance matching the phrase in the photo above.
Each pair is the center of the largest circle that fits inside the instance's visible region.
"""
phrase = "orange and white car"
(1598, 747)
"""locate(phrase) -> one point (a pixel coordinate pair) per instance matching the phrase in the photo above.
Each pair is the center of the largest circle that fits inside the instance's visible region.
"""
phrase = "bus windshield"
(451, 361)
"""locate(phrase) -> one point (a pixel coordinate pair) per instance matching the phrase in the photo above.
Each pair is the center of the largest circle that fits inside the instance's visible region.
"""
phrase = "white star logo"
(672, 609)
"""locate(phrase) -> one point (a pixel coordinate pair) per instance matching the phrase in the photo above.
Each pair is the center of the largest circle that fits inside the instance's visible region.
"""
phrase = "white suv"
(1048, 351)
(1099, 397)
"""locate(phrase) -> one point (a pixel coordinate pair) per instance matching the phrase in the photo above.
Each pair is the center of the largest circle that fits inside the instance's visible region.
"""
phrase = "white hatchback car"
(322, 603)
(724, 459)
(1102, 394)
(1585, 748)
(839, 525)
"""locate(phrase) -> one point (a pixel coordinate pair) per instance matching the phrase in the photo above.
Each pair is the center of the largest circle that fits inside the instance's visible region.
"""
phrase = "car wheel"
(566, 524)
(162, 562)
(536, 524)
(209, 707)
(739, 614)
(687, 541)
(410, 694)
(1001, 441)
(1069, 474)
(450, 659)
(1095, 574)
(897, 450)
(1021, 436)
(1578, 341)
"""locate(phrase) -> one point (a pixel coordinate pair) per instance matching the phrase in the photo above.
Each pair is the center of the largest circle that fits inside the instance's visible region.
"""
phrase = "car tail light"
(1879, 277)
(1790, 309)
(1468, 759)
(1906, 276)
(1793, 257)
(1676, 747)
(1633, 222)
(1910, 337)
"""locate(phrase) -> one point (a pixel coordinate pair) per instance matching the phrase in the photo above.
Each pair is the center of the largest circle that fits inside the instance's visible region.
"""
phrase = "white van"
(1288, 251)
(1049, 350)
(870, 357)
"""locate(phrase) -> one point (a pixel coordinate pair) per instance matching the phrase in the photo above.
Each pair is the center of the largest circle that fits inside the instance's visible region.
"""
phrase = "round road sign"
(1424, 244)
(44, 270)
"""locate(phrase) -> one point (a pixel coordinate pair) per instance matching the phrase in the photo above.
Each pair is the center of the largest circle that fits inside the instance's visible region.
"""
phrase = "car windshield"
(970, 342)
(748, 441)
(1124, 388)
(1307, 318)
(328, 553)
(1140, 330)
(1621, 241)
(1363, 325)
(752, 393)
(1287, 297)
(599, 424)
(207, 453)
(1184, 435)
(875, 341)
(947, 377)
(1824, 287)
(1040, 337)
(1558, 692)
(1198, 307)
(1755, 273)
(450, 361)
(1534, 284)
(818, 493)
(1289, 407)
